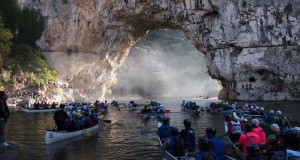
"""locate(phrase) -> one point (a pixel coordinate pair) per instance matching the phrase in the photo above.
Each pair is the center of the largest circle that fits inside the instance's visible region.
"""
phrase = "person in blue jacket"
(164, 131)
(174, 145)
(188, 136)
(205, 152)
(218, 146)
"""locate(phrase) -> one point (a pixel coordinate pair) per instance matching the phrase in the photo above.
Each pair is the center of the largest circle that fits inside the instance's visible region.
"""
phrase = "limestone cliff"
(246, 42)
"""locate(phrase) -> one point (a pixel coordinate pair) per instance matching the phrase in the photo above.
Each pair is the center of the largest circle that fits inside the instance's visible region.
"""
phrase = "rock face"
(251, 46)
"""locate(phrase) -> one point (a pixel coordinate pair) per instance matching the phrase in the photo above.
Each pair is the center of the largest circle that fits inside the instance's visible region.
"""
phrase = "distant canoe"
(54, 136)
(37, 111)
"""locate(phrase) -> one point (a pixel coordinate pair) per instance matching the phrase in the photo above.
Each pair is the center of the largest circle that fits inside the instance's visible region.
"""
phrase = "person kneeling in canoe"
(94, 117)
(60, 117)
(174, 144)
(218, 146)
(188, 135)
(233, 128)
(247, 138)
(164, 131)
(205, 150)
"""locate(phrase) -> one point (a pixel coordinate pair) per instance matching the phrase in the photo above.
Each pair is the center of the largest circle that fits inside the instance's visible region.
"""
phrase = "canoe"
(54, 136)
(37, 111)
(235, 149)
(193, 112)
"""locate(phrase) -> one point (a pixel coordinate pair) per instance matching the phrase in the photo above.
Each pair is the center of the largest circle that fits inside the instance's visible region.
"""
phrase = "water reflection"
(119, 140)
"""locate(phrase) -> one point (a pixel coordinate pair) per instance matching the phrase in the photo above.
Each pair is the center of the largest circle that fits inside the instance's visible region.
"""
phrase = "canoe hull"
(54, 136)
(38, 111)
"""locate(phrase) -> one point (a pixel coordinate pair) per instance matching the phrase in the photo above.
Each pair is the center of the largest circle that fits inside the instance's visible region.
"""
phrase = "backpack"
(179, 147)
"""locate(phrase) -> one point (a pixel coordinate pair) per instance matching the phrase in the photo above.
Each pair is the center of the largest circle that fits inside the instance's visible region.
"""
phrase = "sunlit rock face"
(245, 42)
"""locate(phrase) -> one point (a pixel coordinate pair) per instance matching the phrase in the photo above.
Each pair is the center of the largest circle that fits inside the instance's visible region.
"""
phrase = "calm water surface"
(120, 140)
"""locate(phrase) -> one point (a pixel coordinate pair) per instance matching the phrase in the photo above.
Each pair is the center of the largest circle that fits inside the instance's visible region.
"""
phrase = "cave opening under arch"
(164, 63)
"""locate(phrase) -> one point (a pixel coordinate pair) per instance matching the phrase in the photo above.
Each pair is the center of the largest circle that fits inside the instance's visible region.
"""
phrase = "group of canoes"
(190, 107)
(154, 109)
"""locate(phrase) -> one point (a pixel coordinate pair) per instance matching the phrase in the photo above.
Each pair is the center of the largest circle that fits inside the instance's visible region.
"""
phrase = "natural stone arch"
(92, 39)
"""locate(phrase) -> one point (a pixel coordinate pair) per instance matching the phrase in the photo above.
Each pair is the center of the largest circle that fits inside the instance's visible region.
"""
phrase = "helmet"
(253, 149)
(248, 127)
(174, 131)
(166, 120)
(262, 108)
(211, 131)
(62, 105)
(204, 143)
(278, 113)
(271, 112)
(291, 138)
(227, 117)
(255, 122)
(187, 123)
(257, 107)
(78, 116)
(297, 128)
(251, 107)
(275, 128)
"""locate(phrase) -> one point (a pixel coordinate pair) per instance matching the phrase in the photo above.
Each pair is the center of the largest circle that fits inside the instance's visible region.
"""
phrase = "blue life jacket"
(164, 131)
(205, 155)
(292, 154)
(95, 118)
(218, 147)
(176, 147)
(188, 136)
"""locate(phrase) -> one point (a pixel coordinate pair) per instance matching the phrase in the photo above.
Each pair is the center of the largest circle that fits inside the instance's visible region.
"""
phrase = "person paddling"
(188, 135)
(60, 117)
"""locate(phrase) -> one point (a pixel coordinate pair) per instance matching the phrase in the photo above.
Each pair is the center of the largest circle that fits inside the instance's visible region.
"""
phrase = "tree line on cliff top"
(19, 55)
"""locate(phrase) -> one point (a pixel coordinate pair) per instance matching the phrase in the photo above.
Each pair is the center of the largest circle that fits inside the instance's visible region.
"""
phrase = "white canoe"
(37, 111)
(54, 136)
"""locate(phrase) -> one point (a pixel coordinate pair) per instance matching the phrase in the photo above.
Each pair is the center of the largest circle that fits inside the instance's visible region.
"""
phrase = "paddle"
(146, 131)
(106, 121)
(86, 133)
(167, 111)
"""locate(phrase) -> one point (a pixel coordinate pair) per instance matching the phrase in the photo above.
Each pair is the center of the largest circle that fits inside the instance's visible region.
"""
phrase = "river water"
(120, 140)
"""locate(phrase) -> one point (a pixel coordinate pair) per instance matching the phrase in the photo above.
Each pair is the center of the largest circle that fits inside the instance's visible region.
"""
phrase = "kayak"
(54, 136)
(37, 111)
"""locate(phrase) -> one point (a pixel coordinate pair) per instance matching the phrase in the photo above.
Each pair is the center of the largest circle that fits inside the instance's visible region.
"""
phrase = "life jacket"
(188, 136)
(204, 155)
(292, 155)
(176, 147)
(218, 148)
(164, 131)
(261, 133)
(95, 118)
(236, 127)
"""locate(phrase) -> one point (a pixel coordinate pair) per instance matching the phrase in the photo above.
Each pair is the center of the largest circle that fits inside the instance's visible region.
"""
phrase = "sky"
(165, 63)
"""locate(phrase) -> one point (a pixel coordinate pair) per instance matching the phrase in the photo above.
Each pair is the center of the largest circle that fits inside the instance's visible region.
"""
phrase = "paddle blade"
(107, 121)
(87, 133)
(167, 111)
(101, 117)
(146, 131)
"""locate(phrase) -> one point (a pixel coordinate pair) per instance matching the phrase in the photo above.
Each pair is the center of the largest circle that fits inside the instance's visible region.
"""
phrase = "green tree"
(30, 27)
(9, 11)
(5, 43)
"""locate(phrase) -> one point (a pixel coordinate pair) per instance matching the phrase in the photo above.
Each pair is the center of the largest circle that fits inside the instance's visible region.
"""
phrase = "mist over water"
(164, 63)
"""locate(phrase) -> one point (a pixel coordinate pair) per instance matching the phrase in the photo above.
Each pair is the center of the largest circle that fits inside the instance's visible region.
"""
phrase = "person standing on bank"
(4, 115)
